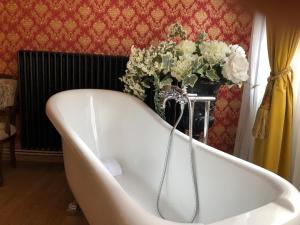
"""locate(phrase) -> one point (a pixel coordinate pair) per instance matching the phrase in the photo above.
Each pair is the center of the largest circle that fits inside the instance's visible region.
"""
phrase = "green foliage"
(189, 80)
(165, 82)
(181, 61)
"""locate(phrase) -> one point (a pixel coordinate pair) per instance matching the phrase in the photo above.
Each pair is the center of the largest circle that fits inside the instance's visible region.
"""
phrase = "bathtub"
(98, 124)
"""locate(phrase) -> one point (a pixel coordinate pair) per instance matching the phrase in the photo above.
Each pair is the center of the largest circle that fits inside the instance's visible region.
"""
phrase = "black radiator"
(42, 74)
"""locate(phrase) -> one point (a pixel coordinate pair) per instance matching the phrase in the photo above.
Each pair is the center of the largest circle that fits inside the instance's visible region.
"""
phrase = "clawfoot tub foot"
(73, 208)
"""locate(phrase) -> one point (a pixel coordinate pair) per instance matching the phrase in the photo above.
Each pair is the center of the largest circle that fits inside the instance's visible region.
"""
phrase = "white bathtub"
(98, 123)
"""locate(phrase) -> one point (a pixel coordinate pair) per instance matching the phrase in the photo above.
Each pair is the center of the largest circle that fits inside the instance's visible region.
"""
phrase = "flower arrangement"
(182, 62)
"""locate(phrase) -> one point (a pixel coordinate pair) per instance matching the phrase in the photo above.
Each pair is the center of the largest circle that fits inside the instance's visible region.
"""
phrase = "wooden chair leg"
(1, 175)
(12, 151)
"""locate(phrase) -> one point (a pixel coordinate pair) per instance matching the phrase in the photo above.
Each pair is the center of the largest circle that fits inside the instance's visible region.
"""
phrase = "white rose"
(187, 47)
(237, 49)
(236, 68)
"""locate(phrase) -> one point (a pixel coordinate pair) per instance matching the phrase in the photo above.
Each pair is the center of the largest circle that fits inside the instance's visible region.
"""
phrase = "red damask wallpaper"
(112, 26)
(227, 110)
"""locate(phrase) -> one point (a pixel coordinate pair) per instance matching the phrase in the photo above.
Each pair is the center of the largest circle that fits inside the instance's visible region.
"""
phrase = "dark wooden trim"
(8, 76)
(34, 156)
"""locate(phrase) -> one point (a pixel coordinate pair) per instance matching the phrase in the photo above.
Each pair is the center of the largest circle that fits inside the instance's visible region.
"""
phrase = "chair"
(8, 87)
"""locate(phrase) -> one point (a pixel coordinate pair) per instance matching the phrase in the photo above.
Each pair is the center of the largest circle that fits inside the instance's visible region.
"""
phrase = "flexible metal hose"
(191, 105)
(167, 159)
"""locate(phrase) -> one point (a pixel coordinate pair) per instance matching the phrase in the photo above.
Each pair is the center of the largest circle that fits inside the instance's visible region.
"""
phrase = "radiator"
(42, 74)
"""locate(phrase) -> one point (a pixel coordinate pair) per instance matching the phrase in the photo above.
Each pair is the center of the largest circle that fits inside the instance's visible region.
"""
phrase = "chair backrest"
(8, 88)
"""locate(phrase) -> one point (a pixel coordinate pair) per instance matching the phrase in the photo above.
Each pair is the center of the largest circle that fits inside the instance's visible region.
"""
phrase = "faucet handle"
(172, 89)
(170, 92)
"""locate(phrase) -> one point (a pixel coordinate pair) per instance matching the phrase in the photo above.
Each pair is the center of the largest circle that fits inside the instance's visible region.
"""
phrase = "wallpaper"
(113, 26)
(226, 112)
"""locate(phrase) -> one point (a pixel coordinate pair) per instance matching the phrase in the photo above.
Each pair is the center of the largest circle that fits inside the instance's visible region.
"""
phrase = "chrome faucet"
(182, 97)
(172, 92)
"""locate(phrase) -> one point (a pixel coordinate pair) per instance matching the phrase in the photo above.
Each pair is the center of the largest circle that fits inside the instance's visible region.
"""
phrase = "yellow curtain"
(273, 125)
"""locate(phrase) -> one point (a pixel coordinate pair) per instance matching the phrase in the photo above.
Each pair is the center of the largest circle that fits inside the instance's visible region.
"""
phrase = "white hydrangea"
(214, 51)
(183, 67)
(187, 47)
(236, 68)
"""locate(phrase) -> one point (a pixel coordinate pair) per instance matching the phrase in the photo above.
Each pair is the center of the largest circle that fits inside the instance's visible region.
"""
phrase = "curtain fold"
(296, 120)
(253, 89)
(273, 124)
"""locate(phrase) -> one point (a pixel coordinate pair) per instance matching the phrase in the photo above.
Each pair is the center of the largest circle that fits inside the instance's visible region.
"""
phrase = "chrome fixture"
(173, 92)
(182, 97)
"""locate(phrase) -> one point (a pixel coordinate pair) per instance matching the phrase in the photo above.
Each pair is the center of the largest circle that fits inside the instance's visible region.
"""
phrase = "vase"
(172, 110)
(201, 88)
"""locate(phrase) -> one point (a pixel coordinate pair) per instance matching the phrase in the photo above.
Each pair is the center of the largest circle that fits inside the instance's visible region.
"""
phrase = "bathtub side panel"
(100, 197)
(88, 190)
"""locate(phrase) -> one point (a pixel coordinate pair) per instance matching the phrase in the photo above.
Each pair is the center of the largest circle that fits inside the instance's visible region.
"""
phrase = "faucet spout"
(164, 101)
(171, 92)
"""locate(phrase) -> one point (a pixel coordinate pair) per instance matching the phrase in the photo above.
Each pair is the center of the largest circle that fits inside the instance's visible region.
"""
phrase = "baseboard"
(35, 156)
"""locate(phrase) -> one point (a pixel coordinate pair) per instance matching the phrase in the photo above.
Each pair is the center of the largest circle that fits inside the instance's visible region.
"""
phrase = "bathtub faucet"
(182, 97)
(173, 92)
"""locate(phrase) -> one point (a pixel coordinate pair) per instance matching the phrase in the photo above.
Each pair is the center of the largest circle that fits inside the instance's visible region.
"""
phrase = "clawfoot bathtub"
(99, 124)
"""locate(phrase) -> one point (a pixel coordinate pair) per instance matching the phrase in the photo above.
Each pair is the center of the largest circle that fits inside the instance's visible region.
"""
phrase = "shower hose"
(192, 160)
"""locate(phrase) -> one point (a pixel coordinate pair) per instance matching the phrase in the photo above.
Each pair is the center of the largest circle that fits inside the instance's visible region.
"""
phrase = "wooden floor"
(36, 194)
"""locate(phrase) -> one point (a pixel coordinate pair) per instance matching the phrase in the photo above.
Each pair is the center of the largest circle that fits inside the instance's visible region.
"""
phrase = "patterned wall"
(227, 110)
(112, 26)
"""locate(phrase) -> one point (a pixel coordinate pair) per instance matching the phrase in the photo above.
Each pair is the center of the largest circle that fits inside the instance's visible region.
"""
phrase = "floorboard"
(36, 194)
